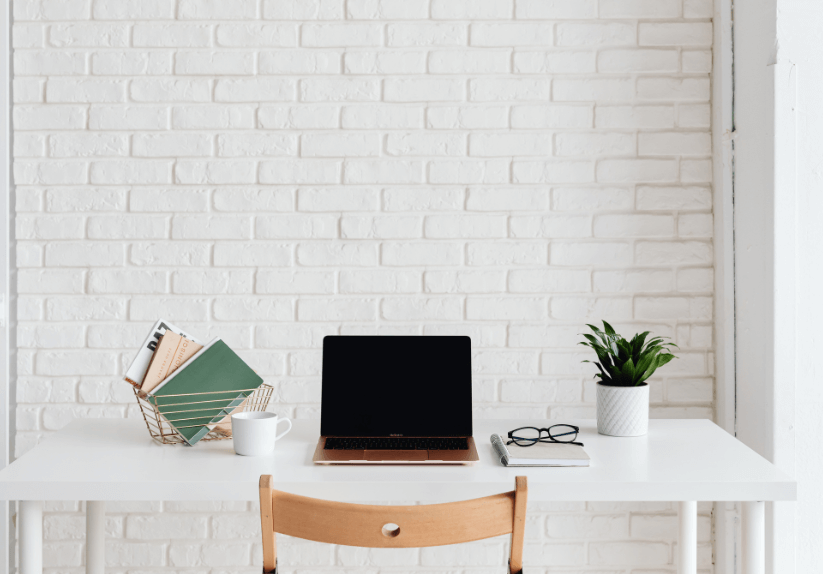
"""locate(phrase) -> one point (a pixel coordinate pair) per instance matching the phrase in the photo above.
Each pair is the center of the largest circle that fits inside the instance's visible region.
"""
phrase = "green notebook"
(216, 370)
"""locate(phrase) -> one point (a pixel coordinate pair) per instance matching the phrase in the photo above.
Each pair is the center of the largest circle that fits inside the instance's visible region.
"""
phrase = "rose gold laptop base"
(324, 456)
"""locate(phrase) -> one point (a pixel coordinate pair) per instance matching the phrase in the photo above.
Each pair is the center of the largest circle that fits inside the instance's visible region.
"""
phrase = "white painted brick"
(213, 117)
(49, 117)
(35, 63)
(552, 171)
(639, 8)
(341, 35)
(297, 117)
(169, 90)
(382, 171)
(590, 309)
(344, 199)
(278, 282)
(424, 90)
(87, 35)
(465, 282)
(593, 253)
(253, 254)
(50, 281)
(219, 171)
(554, 116)
(381, 116)
(128, 117)
(469, 171)
(297, 226)
(417, 143)
(68, 90)
(339, 89)
(596, 34)
(300, 171)
(216, 10)
(675, 34)
(387, 9)
(471, 9)
(213, 63)
(675, 89)
(130, 63)
(507, 199)
(394, 62)
(696, 61)
(551, 226)
(133, 9)
(30, 145)
(632, 170)
(467, 117)
(172, 144)
(469, 61)
(427, 34)
(597, 143)
(504, 89)
(134, 281)
(175, 309)
(292, 336)
(252, 35)
(633, 280)
(473, 226)
(97, 254)
(549, 280)
(51, 10)
(673, 198)
(696, 171)
(338, 309)
(128, 227)
(656, 308)
(49, 227)
(381, 227)
(506, 308)
(697, 390)
(150, 172)
(695, 280)
(669, 253)
(245, 199)
(85, 309)
(634, 117)
(505, 253)
(211, 227)
(421, 253)
(303, 9)
(85, 200)
(695, 225)
(177, 254)
(50, 172)
(697, 8)
(255, 144)
(597, 526)
(513, 144)
(340, 145)
(423, 199)
(600, 89)
(27, 90)
(349, 253)
(28, 199)
(514, 34)
(634, 225)
(638, 61)
(255, 90)
(151, 35)
(29, 255)
(555, 62)
(212, 281)
(422, 309)
(27, 35)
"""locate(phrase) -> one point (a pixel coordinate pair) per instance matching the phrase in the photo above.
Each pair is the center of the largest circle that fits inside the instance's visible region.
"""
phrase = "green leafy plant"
(625, 363)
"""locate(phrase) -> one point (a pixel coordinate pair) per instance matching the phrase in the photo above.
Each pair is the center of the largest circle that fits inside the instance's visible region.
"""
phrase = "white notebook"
(540, 454)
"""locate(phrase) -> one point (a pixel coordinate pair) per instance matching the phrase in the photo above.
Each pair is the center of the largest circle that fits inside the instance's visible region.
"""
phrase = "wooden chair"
(391, 526)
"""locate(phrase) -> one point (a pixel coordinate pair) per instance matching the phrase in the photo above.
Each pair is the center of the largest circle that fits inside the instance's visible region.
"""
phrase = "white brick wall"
(277, 170)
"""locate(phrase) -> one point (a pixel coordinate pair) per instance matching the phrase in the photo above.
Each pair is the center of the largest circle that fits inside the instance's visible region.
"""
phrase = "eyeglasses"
(528, 436)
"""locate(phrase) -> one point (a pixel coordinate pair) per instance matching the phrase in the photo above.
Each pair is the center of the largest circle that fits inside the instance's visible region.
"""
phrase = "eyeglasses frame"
(540, 438)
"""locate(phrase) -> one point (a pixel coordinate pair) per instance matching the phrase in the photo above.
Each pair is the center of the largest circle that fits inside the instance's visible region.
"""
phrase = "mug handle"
(285, 432)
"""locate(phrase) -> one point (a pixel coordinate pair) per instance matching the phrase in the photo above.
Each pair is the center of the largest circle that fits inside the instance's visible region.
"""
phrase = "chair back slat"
(365, 525)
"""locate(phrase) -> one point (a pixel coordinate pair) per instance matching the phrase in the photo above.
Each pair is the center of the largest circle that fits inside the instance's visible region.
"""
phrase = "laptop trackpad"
(399, 455)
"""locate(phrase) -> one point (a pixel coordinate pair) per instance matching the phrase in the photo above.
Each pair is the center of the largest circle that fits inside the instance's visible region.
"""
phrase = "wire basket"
(162, 431)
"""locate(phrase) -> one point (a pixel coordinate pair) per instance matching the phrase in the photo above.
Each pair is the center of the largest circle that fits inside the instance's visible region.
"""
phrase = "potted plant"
(622, 391)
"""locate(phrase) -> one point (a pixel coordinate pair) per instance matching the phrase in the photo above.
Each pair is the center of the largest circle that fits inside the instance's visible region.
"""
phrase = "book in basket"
(204, 390)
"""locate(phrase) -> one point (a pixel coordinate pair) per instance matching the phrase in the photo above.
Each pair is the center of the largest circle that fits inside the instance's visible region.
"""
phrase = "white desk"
(679, 460)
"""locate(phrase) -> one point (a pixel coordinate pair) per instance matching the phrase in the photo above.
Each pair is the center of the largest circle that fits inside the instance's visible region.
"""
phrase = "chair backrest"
(392, 526)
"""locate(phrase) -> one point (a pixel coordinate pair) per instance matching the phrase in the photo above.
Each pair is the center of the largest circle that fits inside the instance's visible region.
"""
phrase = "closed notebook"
(215, 370)
(172, 352)
(540, 454)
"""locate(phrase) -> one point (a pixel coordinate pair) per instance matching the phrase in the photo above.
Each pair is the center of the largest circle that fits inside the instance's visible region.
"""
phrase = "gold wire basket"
(164, 432)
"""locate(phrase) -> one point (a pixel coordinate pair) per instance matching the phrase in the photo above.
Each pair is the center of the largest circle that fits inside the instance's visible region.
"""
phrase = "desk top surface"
(115, 459)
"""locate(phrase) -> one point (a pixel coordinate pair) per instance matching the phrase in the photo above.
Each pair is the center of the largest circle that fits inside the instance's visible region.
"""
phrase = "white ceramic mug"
(255, 433)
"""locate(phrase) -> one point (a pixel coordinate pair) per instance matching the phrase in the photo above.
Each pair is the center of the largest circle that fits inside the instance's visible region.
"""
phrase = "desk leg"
(95, 537)
(754, 538)
(31, 536)
(687, 538)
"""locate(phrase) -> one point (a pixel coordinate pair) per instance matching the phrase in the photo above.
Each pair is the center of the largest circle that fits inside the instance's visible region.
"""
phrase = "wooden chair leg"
(519, 526)
(267, 525)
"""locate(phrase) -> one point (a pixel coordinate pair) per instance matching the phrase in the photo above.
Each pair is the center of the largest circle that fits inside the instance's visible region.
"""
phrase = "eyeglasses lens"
(525, 436)
(563, 433)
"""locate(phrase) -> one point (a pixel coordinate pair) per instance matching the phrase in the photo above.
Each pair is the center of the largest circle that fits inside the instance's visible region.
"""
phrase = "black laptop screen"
(408, 386)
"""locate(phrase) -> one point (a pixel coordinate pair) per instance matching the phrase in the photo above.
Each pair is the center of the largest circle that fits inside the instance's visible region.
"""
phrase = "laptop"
(396, 400)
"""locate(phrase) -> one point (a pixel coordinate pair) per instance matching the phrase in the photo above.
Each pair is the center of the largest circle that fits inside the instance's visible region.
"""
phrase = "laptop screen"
(407, 386)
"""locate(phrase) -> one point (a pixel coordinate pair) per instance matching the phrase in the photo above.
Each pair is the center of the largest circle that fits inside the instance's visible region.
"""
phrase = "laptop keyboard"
(396, 443)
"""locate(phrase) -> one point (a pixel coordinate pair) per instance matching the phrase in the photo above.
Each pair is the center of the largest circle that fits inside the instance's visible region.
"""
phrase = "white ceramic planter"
(623, 411)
